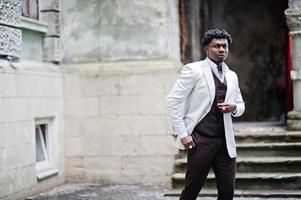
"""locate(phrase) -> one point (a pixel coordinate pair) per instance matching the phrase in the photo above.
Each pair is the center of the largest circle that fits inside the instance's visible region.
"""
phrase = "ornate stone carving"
(293, 19)
(10, 34)
(10, 41)
(294, 4)
(10, 12)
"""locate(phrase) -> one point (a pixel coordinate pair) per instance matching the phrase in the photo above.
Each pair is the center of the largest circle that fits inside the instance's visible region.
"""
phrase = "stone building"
(83, 84)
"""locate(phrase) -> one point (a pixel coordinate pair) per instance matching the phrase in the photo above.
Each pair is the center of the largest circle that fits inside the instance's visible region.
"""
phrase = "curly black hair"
(216, 33)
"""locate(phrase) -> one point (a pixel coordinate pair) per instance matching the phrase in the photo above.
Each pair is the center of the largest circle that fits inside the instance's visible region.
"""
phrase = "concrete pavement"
(117, 192)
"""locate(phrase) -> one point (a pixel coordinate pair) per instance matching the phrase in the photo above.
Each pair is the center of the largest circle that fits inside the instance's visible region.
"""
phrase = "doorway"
(258, 51)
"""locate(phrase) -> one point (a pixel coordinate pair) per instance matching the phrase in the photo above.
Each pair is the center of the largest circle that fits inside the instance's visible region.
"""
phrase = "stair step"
(252, 181)
(245, 193)
(269, 160)
(182, 161)
(269, 149)
(250, 175)
(264, 149)
(267, 136)
(257, 164)
(259, 126)
(268, 145)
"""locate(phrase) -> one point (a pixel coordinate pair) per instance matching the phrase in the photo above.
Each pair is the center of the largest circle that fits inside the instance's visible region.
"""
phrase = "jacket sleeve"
(176, 98)
(240, 104)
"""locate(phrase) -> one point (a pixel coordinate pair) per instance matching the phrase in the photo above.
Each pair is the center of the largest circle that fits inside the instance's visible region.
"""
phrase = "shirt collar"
(214, 69)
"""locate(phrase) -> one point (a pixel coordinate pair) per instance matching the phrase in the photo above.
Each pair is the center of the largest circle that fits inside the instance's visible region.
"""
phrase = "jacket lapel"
(229, 86)
(209, 80)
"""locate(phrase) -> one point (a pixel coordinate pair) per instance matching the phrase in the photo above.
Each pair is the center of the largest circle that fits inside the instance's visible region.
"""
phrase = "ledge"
(29, 67)
(33, 25)
(47, 174)
(296, 74)
(122, 67)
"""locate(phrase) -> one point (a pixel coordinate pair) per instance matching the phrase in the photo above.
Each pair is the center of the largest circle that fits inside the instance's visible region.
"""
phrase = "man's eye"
(219, 46)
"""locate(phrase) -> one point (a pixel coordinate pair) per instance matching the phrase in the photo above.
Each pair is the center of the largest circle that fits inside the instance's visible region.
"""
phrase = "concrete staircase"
(268, 163)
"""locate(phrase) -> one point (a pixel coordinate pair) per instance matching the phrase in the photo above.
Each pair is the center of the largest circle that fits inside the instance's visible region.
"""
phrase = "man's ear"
(206, 49)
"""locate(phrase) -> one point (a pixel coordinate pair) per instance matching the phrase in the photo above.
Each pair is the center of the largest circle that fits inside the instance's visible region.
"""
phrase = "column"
(293, 19)
(50, 13)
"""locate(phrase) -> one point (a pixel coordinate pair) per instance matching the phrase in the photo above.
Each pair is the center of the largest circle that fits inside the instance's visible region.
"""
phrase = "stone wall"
(115, 122)
(28, 91)
(120, 59)
(106, 99)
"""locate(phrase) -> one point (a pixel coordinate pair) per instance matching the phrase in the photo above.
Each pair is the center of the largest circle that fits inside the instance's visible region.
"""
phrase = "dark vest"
(212, 125)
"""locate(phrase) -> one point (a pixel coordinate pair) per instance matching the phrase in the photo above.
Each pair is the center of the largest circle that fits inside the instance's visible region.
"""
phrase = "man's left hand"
(226, 107)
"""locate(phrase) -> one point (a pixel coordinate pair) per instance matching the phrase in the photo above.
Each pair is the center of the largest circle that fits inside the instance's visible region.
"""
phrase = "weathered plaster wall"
(116, 30)
(121, 59)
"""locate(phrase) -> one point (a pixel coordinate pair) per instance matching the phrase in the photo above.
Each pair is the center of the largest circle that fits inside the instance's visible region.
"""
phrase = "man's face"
(217, 50)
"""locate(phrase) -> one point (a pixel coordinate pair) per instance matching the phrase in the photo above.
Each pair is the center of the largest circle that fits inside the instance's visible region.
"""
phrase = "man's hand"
(226, 107)
(188, 142)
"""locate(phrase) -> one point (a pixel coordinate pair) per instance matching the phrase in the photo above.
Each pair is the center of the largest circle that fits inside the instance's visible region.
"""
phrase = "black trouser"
(209, 152)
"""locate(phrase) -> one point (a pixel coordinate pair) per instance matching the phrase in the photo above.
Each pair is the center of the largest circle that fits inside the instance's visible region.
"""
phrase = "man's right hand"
(188, 142)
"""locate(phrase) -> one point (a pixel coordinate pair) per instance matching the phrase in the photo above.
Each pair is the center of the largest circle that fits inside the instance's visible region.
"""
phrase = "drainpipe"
(293, 20)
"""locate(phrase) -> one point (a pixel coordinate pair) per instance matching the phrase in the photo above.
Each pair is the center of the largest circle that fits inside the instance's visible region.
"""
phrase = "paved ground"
(116, 192)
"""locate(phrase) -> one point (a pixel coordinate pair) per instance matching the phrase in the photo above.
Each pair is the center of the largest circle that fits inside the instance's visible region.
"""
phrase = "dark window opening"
(41, 143)
(257, 54)
(30, 9)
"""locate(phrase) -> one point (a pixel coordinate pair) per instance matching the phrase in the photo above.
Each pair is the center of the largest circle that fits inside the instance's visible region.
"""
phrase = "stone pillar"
(293, 18)
(50, 13)
(10, 32)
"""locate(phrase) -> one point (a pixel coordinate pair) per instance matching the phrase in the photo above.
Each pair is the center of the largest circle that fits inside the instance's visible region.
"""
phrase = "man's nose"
(221, 48)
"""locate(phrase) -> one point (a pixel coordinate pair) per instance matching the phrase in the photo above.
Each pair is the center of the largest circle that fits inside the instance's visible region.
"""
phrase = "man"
(200, 105)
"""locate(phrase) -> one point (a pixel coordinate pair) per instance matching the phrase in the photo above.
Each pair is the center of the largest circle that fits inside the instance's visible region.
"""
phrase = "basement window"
(44, 149)
(42, 145)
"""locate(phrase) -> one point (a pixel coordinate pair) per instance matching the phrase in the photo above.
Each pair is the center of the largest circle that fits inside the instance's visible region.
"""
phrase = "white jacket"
(192, 96)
